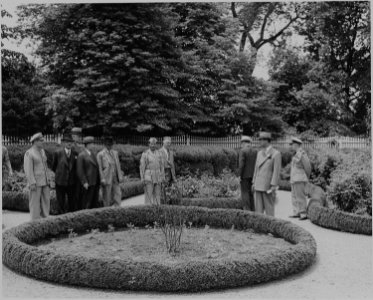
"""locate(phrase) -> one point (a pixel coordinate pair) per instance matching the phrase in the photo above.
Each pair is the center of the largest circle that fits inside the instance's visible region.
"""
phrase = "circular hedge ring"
(338, 220)
(110, 273)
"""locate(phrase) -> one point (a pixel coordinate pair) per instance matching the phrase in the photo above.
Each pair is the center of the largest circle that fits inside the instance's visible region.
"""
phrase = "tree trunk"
(252, 59)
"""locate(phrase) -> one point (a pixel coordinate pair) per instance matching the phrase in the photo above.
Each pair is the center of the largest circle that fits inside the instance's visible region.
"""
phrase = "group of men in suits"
(259, 173)
(79, 174)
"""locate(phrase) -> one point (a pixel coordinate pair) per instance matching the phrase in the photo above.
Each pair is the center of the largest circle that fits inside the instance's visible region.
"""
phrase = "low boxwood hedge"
(110, 273)
(338, 220)
(216, 202)
(19, 201)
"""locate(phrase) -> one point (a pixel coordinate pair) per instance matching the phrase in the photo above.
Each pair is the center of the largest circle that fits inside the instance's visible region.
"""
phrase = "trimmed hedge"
(19, 201)
(110, 273)
(338, 220)
(188, 159)
(217, 202)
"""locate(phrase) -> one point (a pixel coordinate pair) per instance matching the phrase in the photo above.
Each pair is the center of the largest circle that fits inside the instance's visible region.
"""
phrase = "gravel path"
(343, 270)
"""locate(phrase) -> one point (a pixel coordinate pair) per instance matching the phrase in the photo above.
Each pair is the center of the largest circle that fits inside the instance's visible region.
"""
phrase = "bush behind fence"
(226, 142)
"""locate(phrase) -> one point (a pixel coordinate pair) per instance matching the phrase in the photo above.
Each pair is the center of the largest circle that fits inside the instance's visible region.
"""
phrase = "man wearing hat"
(152, 172)
(38, 180)
(64, 167)
(299, 176)
(169, 166)
(110, 173)
(266, 175)
(88, 175)
(246, 166)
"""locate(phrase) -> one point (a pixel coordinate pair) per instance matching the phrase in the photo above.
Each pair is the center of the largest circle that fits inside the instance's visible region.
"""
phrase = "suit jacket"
(267, 169)
(246, 162)
(105, 168)
(168, 161)
(7, 167)
(36, 168)
(87, 168)
(64, 167)
(300, 167)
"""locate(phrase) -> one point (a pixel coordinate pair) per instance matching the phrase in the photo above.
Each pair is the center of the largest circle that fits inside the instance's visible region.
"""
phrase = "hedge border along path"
(338, 220)
(19, 201)
(21, 256)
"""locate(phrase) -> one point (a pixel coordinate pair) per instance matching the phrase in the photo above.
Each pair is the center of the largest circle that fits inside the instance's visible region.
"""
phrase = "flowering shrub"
(206, 185)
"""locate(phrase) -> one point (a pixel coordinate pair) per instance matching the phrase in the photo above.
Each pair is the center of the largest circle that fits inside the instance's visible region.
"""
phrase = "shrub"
(193, 276)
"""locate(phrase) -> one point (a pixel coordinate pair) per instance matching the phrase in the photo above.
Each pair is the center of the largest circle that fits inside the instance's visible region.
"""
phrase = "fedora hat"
(67, 138)
(295, 140)
(109, 140)
(88, 140)
(37, 136)
(246, 139)
(263, 135)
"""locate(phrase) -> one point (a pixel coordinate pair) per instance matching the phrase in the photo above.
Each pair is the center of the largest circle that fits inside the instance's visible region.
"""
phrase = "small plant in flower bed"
(206, 185)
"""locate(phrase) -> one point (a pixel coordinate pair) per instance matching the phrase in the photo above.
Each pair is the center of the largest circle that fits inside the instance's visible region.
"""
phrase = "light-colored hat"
(295, 140)
(88, 140)
(76, 130)
(246, 138)
(265, 135)
(37, 136)
(167, 138)
(153, 140)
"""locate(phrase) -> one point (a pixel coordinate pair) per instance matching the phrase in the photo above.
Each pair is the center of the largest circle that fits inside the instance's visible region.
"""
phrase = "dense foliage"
(176, 68)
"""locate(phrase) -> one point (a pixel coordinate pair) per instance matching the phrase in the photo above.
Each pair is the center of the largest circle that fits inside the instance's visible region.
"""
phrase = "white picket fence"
(227, 142)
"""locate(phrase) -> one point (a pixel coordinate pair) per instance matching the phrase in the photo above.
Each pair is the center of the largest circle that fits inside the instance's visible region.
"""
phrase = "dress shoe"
(294, 216)
(303, 217)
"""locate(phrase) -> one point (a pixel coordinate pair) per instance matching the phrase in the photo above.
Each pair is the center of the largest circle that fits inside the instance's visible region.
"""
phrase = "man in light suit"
(266, 175)
(7, 167)
(110, 173)
(299, 175)
(169, 166)
(88, 175)
(38, 180)
(246, 166)
(64, 167)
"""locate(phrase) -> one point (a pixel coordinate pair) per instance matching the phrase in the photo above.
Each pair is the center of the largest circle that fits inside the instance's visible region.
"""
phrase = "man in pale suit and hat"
(64, 167)
(169, 166)
(38, 180)
(299, 177)
(246, 166)
(152, 173)
(110, 173)
(88, 174)
(266, 175)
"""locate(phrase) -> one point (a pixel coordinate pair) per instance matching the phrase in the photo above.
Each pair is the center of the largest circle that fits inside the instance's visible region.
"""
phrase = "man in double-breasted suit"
(88, 174)
(169, 166)
(266, 175)
(246, 166)
(110, 173)
(38, 180)
(64, 167)
(299, 175)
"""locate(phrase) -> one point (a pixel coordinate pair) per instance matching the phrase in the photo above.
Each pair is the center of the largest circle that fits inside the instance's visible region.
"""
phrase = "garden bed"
(147, 245)
(19, 201)
(128, 274)
(338, 220)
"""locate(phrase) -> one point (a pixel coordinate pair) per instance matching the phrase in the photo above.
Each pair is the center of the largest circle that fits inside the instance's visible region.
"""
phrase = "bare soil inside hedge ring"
(148, 245)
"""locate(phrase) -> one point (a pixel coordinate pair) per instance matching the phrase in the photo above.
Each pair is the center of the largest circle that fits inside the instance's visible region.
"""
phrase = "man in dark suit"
(64, 167)
(246, 166)
(88, 174)
(77, 147)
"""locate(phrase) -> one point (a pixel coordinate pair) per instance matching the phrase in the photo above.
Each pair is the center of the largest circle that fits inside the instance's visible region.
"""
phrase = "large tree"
(338, 34)
(256, 20)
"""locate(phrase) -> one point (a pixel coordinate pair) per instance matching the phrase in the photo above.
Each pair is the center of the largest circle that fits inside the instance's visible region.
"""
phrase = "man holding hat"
(266, 175)
(110, 173)
(299, 175)
(38, 180)
(246, 166)
(88, 175)
(64, 167)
